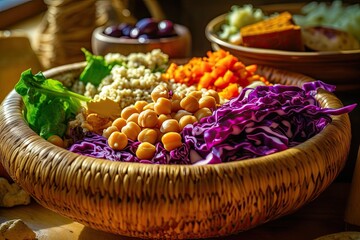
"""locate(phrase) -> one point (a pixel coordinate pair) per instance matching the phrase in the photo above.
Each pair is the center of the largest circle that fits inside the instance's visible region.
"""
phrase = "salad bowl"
(339, 68)
(172, 201)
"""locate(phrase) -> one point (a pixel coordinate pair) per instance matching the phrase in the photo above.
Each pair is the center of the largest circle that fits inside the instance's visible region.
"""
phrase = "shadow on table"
(92, 234)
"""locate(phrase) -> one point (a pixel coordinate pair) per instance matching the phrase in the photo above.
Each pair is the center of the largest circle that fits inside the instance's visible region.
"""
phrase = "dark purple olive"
(126, 29)
(134, 33)
(166, 29)
(166, 26)
(147, 26)
(113, 31)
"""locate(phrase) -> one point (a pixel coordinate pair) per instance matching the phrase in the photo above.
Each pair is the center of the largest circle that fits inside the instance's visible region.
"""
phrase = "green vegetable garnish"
(96, 69)
(48, 104)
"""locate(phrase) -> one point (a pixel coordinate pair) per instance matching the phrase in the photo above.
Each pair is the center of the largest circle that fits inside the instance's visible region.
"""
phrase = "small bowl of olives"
(143, 36)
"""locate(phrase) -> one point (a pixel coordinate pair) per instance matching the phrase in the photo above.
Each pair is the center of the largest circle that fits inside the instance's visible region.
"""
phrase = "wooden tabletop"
(323, 216)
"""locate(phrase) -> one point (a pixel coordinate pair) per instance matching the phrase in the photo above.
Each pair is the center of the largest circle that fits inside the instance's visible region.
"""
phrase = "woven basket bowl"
(172, 201)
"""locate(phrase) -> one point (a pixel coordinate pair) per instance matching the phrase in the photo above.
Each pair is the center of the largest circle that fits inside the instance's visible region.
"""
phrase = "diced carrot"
(230, 77)
(251, 68)
(227, 61)
(220, 83)
(205, 67)
(205, 81)
(238, 66)
(230, 91)
(220, 71)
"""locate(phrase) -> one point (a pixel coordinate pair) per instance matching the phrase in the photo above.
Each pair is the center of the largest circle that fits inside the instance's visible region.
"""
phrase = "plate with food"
(141, 146)
(319, 39)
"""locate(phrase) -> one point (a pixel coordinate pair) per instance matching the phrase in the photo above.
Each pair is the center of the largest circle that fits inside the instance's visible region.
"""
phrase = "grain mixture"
(132, 79)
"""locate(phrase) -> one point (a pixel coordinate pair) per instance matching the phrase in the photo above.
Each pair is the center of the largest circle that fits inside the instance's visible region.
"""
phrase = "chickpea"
(109, 130)
(148, 119)
(214, 94)
(177, 96)
(208, 102)
(139, 105)
(177, 116)
(159, 91)
(117, 140)
(131, 130)
(133, 118)
(175, 105)
(159, 134)
(126, 112)
(196, 94)
(119, 123)
(56, 140)
(185, 120)
(170, 125)
(145, 151)
(149, 106)
(162, 118)
(202, 112)
(162, 106)
(148, 135)
(190, 104)
(171, 140)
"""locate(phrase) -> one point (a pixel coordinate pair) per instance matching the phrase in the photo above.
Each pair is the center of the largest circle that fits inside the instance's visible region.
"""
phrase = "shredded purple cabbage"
(95, 145)
(258, 122)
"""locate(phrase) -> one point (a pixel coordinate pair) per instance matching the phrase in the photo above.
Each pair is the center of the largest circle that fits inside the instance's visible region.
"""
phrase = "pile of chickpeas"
(161, 120)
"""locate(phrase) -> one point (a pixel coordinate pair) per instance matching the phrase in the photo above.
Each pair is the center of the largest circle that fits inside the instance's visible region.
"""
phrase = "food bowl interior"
(172, 201)
(329, 66)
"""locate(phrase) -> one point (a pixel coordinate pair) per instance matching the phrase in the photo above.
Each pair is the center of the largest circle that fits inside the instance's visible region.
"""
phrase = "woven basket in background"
(167, 201)
(67, 26)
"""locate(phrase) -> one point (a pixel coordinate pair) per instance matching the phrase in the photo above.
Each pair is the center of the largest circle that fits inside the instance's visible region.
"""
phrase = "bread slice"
(278, 32)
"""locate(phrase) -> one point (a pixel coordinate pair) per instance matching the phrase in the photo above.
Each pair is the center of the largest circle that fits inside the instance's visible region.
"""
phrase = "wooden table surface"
(322, 216)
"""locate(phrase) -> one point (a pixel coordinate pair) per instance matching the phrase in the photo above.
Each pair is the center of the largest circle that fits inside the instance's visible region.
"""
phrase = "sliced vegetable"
(48, 104)
(268, 120)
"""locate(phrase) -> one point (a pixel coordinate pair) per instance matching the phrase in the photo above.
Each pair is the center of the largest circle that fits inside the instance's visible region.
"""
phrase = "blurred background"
(60, 27)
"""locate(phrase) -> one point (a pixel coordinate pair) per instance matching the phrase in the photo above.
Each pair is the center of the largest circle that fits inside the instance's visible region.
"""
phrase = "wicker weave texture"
(164, 201)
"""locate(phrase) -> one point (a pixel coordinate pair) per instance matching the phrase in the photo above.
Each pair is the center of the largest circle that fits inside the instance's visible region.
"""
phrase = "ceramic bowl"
(176, 47)
(340, 68)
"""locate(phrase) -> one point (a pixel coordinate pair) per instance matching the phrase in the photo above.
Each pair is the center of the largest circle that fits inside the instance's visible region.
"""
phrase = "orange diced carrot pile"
(220, 71)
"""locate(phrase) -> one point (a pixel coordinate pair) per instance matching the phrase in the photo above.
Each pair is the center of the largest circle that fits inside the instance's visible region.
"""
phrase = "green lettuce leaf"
(96, 69)
(48, 104)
